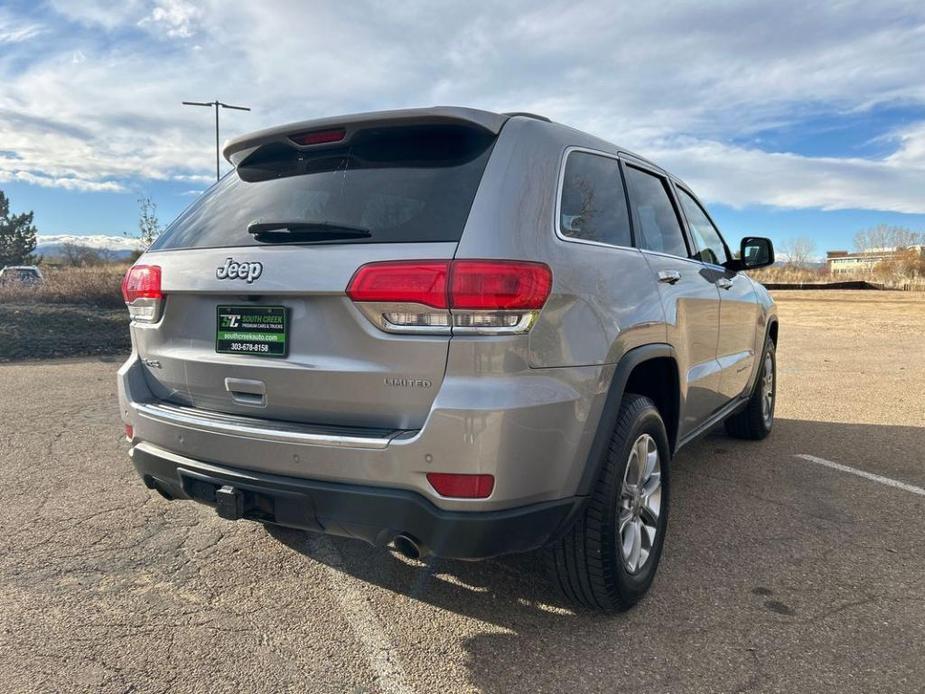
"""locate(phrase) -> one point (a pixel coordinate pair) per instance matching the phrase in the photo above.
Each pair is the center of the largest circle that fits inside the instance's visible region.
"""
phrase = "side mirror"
(755, 252)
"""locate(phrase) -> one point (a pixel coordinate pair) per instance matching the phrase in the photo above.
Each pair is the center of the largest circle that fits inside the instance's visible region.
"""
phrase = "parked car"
(28, 275)
(461, 332)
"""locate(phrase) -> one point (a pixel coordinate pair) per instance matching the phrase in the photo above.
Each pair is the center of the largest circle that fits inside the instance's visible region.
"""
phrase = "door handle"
(669, 276)
(724, 283)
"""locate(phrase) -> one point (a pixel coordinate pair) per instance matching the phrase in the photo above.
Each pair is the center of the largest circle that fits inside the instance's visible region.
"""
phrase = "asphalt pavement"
(780, 572)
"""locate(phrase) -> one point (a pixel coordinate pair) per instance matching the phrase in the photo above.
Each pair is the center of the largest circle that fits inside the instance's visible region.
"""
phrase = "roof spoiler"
(238, 149)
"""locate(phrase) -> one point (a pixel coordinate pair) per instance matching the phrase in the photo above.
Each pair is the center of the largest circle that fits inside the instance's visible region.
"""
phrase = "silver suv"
(461, 332)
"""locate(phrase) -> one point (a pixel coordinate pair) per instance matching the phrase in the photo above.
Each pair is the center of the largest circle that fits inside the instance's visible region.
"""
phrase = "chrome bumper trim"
(267, 429)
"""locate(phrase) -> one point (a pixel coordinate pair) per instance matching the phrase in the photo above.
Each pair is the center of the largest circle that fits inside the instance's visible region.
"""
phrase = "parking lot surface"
(780, 573)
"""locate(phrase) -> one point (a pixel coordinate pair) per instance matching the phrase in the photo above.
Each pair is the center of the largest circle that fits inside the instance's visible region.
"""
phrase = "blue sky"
(789, 119)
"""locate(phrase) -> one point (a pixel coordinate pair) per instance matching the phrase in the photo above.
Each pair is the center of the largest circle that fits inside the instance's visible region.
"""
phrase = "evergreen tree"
(17, 236)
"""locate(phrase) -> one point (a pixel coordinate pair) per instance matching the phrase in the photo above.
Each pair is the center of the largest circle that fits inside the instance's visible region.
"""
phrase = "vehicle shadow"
(748, 522)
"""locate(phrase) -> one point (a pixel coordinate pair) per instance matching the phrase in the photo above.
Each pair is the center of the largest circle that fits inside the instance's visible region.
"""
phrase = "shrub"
(89, 286)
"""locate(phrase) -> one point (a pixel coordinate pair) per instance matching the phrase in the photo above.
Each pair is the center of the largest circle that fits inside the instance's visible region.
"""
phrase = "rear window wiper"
(292, 232)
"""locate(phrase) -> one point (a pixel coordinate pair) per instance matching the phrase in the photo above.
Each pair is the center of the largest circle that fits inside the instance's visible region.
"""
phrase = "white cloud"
(677, 81)
(65, 182)
(911, 152)
(108, 14)
(13, 30)
(175, 18)
(740, 176)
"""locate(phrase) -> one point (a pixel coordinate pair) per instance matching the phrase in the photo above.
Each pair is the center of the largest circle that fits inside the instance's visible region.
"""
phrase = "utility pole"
(215, 104)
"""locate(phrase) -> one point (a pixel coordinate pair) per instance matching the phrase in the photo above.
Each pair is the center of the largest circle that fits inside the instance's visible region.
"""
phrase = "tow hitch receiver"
(229, 502)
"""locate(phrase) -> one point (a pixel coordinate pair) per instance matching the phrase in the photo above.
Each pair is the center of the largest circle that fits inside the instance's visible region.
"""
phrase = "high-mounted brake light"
(319, 137)
(489, 297)
(461, 486)
(141, 290)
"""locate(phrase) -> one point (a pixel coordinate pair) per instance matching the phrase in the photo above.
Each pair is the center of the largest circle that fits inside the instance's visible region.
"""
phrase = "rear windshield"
(399, 184)
(19, 274)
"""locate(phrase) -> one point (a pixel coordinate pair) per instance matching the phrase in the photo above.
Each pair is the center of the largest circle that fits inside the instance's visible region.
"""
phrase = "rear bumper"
(532, 430)
(374, 514)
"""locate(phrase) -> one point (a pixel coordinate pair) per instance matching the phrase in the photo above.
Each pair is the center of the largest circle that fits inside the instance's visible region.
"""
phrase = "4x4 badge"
(233, 270)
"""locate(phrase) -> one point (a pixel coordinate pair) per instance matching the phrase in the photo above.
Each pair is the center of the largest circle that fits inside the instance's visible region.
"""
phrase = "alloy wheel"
(640, 504)
(767, 390)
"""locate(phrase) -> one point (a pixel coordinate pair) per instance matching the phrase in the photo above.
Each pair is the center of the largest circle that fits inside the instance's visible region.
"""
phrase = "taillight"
(141, 290)
(489, 297)
(501, 286)
(409, 281)
(460, 486)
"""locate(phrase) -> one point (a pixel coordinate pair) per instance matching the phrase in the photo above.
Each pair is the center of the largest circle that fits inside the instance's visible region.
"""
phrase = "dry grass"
(89, 286)
(890, 278)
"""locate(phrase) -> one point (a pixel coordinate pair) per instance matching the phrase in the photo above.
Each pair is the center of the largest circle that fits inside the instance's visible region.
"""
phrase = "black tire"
(587, 564)
(750, 422)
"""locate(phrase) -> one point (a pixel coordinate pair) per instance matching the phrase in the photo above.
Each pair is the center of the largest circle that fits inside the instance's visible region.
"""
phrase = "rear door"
(738, 313)
(689, 295)
(276, 242)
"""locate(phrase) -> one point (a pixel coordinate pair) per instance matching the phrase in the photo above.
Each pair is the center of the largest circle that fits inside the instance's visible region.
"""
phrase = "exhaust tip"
(408, 546)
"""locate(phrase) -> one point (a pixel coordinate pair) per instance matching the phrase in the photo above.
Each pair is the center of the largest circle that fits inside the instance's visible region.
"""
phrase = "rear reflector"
(461, 486)
(472, 296)
(141, 289)
(129, 432)
(319, 137)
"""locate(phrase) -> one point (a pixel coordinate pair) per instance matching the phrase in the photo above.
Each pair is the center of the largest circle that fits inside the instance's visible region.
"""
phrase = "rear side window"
(710, 247)
(396, 184)
(593, 206)
(658, 228)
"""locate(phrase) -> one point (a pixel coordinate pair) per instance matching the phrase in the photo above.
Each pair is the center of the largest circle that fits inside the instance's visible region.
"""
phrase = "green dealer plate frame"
(261, 331)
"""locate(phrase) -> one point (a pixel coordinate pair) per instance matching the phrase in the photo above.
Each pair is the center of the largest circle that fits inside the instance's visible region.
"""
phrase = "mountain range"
(120, 247)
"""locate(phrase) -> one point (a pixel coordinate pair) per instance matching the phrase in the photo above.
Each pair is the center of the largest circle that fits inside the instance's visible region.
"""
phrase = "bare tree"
(884, 236)
(799, 251)
(148, 224)
(76, 255)
(107, 255)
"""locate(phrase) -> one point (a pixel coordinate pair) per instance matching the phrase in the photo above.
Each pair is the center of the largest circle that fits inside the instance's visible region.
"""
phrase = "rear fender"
(611, 410)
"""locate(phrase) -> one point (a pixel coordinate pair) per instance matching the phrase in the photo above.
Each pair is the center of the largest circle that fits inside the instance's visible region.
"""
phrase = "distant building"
(841, 262)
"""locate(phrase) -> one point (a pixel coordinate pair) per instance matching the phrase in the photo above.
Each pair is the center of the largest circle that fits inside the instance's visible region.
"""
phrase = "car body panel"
(340, 369)
(525, 408)
(692, 324)
(737, 351)
(527, 427)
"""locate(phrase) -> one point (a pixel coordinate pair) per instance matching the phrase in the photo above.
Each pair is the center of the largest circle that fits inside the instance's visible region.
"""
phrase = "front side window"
(658, 226)
(593, 206)
(710, 246)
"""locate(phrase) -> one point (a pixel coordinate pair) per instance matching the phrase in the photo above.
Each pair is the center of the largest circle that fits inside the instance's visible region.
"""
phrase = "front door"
(688, 293)
(738, 313)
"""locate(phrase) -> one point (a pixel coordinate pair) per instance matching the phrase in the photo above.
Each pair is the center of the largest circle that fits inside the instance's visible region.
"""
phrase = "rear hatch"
(277, 241)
